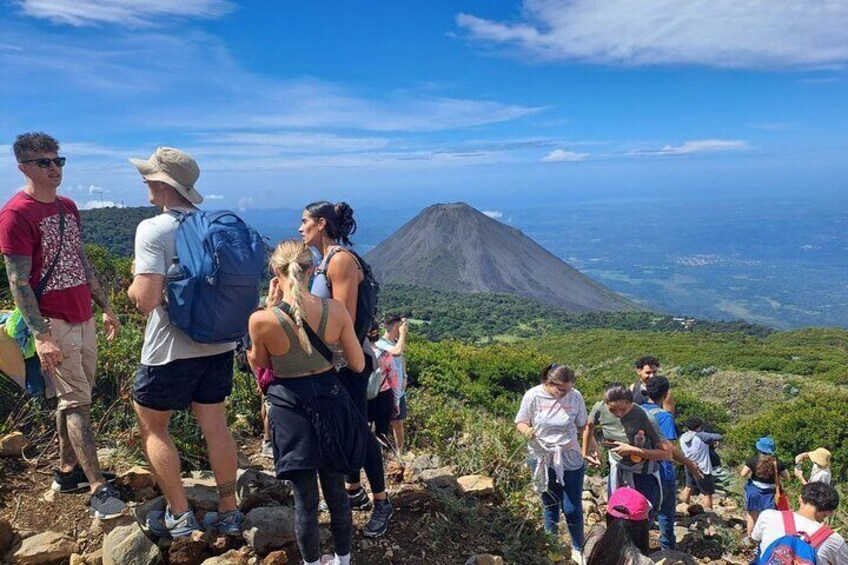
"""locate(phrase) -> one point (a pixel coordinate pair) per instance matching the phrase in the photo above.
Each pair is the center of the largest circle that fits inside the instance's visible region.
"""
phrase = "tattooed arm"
(110, 320)
(18, 269)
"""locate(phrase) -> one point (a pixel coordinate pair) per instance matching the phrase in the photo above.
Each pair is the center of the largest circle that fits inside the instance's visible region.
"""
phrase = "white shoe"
(577, 557)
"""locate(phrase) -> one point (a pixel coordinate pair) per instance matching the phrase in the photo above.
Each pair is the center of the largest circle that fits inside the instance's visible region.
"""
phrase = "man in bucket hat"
(177, 373)
(53, 285)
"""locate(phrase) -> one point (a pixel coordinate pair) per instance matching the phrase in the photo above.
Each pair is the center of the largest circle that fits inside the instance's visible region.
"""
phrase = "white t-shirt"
(155, 248)
(697, 451)
(820, 475)
(556, 420)
(399, 363)
(769, 527)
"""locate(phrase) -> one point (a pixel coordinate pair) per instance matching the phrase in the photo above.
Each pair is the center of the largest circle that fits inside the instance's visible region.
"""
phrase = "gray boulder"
(129, 545)
(269, 528)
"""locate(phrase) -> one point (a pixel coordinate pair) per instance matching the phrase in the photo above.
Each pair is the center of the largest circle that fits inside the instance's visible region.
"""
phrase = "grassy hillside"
(487, 317)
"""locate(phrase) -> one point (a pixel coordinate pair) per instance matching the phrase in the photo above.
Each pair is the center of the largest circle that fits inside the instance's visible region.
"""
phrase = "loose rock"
(45, 548)
(279, 557)
(255, 489)
(128, 545)
(266, 529)
(11, 445)
(232, 557)
(136, 479)
(476, 485)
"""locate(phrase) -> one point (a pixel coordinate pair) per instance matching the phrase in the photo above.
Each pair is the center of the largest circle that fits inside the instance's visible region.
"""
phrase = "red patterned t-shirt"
(31, 228)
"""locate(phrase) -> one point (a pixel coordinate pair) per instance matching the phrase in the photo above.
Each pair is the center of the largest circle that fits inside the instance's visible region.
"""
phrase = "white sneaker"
(329, 560)
(577, 557)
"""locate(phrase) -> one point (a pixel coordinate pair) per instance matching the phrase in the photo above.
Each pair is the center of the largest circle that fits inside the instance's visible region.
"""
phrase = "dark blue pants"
(567, 499)
(666, 514)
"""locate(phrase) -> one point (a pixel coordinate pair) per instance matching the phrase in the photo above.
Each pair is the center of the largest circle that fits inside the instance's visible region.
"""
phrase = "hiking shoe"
(106, 503)
(379, 522)
(267, 450)
(577, 556)
(224, 522)
(75, 480)
(359, 499)
(165, 525)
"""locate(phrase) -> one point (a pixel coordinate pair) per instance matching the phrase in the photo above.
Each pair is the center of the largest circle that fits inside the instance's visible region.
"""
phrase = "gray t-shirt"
(155, 248)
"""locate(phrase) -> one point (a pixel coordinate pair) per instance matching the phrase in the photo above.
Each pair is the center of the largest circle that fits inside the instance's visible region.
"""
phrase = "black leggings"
(305, 486)
(357, 386)
(380, 412)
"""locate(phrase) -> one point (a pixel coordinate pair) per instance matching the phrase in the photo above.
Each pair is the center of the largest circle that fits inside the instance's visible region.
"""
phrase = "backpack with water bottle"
(213, 283)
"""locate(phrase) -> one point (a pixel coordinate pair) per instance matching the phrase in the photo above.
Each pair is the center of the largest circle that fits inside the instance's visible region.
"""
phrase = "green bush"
(799, 425)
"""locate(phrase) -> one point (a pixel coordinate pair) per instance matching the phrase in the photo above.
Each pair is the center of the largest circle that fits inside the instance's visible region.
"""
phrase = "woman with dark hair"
(624, 540)
(634, 440)
(761, 472)
(328, 227)
(550, 417)
(304, 381)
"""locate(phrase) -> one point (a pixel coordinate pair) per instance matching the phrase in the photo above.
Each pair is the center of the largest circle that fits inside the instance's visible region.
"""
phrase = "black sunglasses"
(44, 162)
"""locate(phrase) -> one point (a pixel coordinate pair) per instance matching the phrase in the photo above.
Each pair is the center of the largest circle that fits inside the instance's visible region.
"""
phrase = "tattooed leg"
(67, 455)
(78, 421)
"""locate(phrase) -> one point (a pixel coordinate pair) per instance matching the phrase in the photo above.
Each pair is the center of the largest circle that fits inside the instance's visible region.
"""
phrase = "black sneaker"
(379, 522)
(359, 499)
(75, 480)
(106, 503)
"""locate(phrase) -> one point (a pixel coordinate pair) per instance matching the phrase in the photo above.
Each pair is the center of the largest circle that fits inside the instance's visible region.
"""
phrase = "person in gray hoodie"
(695, 444)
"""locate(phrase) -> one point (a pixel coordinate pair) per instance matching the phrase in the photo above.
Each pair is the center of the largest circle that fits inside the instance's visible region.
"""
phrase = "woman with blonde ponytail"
(290, 336)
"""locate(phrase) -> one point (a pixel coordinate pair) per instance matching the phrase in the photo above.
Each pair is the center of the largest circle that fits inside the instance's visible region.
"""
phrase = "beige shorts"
(74, 377)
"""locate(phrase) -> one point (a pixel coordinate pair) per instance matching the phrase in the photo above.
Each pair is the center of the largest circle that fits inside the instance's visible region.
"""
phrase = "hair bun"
(347, 225)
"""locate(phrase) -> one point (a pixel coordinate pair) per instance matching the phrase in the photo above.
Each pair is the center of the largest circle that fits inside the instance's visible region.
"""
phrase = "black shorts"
(175, 385)
(704, 485)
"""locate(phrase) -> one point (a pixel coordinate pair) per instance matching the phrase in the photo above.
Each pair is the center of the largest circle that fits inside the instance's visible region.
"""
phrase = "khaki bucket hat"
(173, 167)
(820, 457)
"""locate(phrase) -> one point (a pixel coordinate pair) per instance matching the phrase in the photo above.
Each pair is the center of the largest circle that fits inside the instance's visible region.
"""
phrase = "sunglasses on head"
(45, 163)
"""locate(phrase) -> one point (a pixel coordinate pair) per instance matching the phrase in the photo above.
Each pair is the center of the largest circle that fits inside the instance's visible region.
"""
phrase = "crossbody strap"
(42, 284)
(316, 341)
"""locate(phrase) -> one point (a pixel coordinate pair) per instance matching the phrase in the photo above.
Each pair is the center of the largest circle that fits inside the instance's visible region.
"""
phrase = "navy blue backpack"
(213, 284)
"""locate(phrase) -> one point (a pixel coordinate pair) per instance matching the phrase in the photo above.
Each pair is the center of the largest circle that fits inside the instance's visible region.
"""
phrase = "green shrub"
(799, 425)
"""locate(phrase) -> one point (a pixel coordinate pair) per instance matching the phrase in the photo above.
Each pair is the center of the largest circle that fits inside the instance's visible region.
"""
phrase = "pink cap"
(636, 507)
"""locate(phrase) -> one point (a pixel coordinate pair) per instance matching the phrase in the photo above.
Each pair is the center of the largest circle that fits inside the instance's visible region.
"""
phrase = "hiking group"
(326, 374)
(196, 277)
(636, 425)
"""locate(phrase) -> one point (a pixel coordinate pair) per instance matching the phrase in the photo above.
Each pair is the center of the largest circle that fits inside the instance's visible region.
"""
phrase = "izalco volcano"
(454, 247)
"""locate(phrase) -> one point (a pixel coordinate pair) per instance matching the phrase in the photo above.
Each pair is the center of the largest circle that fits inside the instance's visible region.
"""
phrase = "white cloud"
(92, 204)
(214, 197)
(562, 156)
(494, 214)
(94, 189)
(297, 142)
(714, 33)
(133, 13)
(246, 203)
(704, 146)
(7, 47)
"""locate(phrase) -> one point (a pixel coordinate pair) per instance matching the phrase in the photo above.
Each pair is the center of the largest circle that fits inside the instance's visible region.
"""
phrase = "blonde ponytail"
(291, 259)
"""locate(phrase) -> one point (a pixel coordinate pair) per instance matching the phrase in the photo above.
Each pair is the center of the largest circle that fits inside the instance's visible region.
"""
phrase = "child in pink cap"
(624, 539)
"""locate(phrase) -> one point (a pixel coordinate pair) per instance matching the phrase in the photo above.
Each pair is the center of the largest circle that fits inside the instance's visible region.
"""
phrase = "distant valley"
(779, 263)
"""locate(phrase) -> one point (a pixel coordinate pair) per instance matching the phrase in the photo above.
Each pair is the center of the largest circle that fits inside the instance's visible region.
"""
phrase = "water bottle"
(175, 271)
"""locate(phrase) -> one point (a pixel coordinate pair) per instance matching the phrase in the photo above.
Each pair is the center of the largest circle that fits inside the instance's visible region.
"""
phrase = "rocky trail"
(40, 527)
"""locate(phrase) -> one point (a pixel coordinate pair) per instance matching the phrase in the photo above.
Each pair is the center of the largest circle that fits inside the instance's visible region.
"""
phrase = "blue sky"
(408, 103)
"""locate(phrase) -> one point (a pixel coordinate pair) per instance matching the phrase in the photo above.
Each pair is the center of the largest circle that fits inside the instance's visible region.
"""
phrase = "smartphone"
(608, 443)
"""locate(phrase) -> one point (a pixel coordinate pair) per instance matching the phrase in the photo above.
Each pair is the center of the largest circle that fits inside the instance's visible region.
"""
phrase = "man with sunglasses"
(53, 284)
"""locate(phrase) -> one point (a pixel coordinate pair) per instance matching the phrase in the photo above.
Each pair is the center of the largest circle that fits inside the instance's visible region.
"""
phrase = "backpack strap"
(316, 341)
(821, 535)
(789, 523)
(322, 325)
(325, 263)
(42, 284)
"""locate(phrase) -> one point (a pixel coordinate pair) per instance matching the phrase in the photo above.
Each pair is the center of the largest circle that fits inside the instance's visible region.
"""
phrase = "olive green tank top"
(296, 362)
